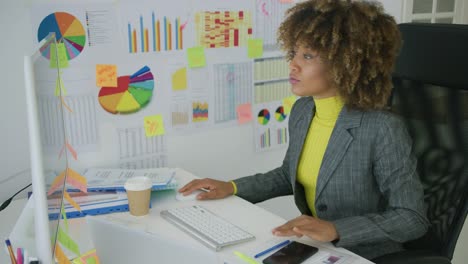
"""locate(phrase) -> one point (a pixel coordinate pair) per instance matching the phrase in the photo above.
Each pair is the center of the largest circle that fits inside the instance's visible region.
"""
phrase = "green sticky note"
(255, 48)
(61, 51)
(64, 216)
(91, 260)
(67, 242)
(196, 57)
(59, 87)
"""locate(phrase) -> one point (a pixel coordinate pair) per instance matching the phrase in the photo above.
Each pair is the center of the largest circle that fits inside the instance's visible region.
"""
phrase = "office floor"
(282, 206)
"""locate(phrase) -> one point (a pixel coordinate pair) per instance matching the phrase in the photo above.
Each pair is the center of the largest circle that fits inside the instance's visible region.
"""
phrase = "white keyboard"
(205, 226)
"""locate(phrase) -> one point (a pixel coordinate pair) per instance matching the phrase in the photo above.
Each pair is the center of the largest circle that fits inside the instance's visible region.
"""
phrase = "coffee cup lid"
(139, 183)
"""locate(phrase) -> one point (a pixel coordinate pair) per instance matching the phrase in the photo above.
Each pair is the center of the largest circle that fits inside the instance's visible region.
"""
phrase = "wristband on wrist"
(234, 186)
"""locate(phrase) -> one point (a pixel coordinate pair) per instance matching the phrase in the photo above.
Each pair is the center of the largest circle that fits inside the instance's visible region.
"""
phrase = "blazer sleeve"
(277, 182)
(394, 169)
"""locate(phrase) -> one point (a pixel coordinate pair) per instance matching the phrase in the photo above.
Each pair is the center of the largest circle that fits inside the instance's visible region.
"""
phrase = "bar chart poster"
(151, 31)
(68, 30)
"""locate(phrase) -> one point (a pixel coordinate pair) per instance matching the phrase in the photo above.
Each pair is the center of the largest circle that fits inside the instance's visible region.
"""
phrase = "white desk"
(250, 217)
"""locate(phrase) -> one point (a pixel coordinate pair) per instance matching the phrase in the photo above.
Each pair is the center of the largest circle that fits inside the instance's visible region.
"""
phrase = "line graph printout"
(269, 15)
(233, 87)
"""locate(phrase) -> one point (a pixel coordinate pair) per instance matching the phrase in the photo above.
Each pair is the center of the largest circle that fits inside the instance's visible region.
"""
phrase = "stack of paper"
(92, 203)
(114, 179)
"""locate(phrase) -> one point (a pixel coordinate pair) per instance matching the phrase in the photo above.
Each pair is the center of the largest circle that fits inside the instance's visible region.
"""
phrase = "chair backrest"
(431, 94)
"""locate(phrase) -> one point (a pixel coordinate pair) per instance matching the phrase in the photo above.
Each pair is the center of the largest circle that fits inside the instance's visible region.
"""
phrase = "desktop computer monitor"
(43, 238)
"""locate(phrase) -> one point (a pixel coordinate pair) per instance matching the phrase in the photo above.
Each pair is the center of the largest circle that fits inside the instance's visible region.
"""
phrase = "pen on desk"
(245, 258)
(282, 244)
(10, 250)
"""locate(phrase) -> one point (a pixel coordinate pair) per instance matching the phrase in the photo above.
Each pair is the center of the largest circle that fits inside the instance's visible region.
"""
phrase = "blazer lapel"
(301, 129)
(338, 144)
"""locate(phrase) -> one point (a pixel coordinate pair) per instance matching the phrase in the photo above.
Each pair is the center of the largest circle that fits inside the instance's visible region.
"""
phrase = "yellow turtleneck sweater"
(326, 114)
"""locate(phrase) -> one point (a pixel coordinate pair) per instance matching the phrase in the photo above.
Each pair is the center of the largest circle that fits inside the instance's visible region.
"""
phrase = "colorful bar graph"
(162, 35)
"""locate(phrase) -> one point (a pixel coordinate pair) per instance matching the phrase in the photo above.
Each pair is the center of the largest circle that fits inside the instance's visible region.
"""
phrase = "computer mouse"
(190, 197)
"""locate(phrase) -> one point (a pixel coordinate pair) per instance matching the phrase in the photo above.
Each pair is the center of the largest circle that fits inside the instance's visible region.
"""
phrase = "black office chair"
(431, 94)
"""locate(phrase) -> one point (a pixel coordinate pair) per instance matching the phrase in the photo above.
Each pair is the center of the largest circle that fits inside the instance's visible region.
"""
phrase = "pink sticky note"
(244, 113)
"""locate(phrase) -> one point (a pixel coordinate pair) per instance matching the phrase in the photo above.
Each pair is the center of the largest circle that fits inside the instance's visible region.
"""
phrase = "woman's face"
(308, 74)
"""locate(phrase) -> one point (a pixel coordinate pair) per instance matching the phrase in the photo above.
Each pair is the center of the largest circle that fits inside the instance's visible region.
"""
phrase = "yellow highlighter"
(245, 258)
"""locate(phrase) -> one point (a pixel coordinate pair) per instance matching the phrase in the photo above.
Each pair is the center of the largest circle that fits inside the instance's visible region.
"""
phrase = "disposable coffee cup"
(139, 195)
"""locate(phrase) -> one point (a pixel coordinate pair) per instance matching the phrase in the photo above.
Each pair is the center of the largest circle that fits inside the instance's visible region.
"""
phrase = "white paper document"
(114, 179)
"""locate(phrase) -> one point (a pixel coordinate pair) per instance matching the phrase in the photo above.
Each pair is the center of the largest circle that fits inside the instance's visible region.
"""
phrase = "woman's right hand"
(216, 189)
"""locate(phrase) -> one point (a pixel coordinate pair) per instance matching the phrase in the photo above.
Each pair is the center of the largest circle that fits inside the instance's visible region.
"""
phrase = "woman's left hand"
(312, 227)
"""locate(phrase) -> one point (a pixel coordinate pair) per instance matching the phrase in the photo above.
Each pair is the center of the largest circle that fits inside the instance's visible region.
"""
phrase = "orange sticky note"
(106, 75)
(61, 257)
(288, 103)
(154, 126)
(76, 180)
(196, 57)
(57, 183)
(89, 257)
(286, 1)
(244, 113)
(255, 48)
(71, 201)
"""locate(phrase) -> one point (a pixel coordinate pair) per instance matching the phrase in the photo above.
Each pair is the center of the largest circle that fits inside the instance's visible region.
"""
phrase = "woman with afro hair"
(349, 162)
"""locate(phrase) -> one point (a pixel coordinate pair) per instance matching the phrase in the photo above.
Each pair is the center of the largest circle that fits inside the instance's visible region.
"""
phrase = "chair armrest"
(412, 257)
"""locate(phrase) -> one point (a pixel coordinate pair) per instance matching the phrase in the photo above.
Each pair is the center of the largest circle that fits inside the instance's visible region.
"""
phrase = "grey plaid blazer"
(367, 185)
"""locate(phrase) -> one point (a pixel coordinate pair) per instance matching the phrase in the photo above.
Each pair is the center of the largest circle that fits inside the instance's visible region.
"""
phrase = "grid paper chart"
(223, 29)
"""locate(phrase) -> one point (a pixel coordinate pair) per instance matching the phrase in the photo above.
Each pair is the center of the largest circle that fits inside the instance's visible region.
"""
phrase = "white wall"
(226, 153)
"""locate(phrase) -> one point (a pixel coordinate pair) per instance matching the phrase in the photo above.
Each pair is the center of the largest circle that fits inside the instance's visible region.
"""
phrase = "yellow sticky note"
(106, 75)
(154, 126)
(255, 48)
(59, 87)
(196, 57)
(68, 242)
(179, 79)
(244, 113)
(61, 51)
(288, 103)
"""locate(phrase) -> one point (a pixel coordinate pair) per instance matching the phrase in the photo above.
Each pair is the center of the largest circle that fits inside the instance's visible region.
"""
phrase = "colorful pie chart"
(263, 117)
(68, 30)
(279, 114)
(131, 94)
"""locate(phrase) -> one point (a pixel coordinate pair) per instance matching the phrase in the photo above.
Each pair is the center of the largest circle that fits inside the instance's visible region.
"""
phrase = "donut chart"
(68, 30)
(279, 114)
(132, 93)
(263, 117)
